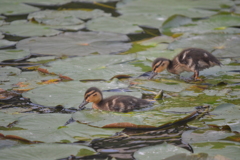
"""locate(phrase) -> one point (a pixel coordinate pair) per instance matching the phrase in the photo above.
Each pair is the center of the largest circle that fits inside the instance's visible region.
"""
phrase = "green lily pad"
(28, 29)
(166, 8)
(168, 86)
(51, 151)
(225, 45)
(176, 21)
(100, 67)
(5, 43)
(65, 17)
(226, 114)
(69, 94)
(159, 152)
(42, 59)
(204, 136)
(15, 7)
(145, 116)
(220, 23)
(156, 40)
(225, 149)
(1, 35)
(48, 128)
(10, 76)
(124, 24)
(6, 119)
(12, 54)
(77, 43)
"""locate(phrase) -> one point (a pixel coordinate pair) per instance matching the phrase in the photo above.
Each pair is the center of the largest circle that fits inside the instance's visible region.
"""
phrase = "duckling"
(190, 60)
(116, 103)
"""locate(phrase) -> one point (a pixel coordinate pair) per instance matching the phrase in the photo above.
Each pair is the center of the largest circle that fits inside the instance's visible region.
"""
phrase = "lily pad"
(77, 43)
(215, 149)
(5, 43)
(13, 78)
(159, 152)
(100, 67)
(220, 23)
(65, 17)
(51, 151)
(24, 28)
(226, 114)
(49, 128)
(225, 45)
(172, 87)
(6, 119)
(176, 21)
(12, 54)
(69, 94)
(15, 7)
(151, 118)
(124, 24)
(204, 136)
(166, 8)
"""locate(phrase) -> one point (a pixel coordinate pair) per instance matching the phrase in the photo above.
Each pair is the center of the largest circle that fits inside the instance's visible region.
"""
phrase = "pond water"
(52, 51)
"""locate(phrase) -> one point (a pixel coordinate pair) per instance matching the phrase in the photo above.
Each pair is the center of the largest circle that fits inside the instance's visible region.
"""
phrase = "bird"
(116, 103)
(190, 60)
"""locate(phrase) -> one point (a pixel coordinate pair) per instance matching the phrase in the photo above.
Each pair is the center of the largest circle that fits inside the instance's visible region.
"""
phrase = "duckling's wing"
(197, 59)
(122, 103)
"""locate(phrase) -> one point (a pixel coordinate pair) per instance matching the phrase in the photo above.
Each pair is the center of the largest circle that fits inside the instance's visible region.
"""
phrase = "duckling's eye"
(95, 94)
(162, 64)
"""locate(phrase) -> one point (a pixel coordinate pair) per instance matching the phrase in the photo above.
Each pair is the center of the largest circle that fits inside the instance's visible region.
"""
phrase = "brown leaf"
(65, 77)
(20, 90)
(1, 135)
(121, 76)
(5, 95)
(17, 138)
(128, 125)
(50, 81)
(45, 71)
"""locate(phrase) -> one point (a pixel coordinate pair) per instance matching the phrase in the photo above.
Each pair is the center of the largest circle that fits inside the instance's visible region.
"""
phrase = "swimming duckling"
(116, 103)
(190, 60)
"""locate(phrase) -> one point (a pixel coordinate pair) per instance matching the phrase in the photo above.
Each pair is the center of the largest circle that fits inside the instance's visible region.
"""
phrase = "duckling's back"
(196, 59)
(122, 103)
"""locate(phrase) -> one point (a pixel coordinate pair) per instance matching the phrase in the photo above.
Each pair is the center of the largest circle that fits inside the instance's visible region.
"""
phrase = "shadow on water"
(124, 145)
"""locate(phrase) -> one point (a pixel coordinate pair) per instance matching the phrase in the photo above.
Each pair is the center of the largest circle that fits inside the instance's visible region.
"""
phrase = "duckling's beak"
(81, 106)
(152, 75)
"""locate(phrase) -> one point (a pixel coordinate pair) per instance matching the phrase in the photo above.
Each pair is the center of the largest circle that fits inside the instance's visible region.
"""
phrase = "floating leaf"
(79, 68)
(75, 44)
(220, 23)
(6, 44)
(127, 125)
(11, 76)
(124, 24)
(226, 114)
(51, 151)
(46, 128)
(28, 29)
(159, 152)
(167, 9)
(13, 54)
(210, 42)
(176, 21)
(218, 149)
(65, 17)
(15, 8)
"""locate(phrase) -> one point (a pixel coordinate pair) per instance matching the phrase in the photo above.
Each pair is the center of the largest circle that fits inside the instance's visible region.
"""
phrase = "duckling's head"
(92, 94)
(159, 65)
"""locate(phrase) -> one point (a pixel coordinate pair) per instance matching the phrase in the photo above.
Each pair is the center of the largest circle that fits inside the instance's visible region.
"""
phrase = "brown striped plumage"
(116, 103)
(190, 60)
